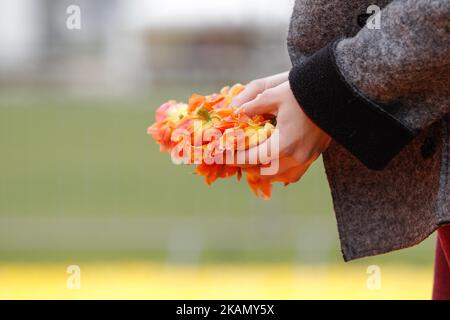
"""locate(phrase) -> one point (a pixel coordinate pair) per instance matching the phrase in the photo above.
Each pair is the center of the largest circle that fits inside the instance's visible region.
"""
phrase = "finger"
(279, 167)
(290, 172)
(262, 153)
(291, 175)
(249, 93)
(277, 79)
(262, 104)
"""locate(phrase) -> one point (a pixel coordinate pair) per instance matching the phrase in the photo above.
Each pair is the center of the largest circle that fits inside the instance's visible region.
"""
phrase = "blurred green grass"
(93, 157)
(65, 157)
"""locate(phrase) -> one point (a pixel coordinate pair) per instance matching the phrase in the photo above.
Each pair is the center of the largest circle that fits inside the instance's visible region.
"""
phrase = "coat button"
(362, 19)
(428, 147)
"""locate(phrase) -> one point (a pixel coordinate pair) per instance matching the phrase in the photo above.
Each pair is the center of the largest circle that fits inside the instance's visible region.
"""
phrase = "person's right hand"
(258, 86)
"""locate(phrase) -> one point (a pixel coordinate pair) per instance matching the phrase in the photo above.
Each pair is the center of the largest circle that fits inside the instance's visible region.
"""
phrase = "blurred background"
(83, 185)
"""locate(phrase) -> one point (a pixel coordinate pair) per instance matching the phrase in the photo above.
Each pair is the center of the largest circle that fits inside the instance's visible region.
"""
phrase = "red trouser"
(441, 289)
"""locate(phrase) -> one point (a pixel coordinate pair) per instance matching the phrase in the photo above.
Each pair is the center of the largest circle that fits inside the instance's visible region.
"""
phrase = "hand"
(300, 140)
(258, 86)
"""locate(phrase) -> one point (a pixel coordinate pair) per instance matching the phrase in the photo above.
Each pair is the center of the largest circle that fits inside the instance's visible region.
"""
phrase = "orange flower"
(210, 125)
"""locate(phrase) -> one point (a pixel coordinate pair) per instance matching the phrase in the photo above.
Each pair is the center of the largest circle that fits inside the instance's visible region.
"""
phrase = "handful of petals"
(207, 131)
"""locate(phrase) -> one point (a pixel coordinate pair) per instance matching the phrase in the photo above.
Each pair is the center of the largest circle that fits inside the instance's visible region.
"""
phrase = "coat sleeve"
(353, 88)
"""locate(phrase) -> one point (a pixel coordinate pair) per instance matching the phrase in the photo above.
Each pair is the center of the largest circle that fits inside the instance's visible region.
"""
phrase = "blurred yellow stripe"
(119, 280)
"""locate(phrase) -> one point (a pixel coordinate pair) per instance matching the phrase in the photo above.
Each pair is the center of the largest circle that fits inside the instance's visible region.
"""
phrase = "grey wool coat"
(386, 105)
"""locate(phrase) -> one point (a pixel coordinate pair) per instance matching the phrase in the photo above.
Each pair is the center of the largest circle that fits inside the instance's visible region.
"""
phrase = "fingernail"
(237, 110)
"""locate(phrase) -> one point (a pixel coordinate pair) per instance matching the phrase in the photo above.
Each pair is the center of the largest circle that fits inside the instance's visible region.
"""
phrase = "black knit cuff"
(363, 127)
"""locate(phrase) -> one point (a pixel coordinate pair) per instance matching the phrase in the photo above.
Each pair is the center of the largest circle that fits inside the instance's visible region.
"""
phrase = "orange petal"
(195, 101)
(209, 104)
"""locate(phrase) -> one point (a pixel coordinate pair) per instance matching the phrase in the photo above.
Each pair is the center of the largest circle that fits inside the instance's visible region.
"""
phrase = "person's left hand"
(300, 140)
(258, 86)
